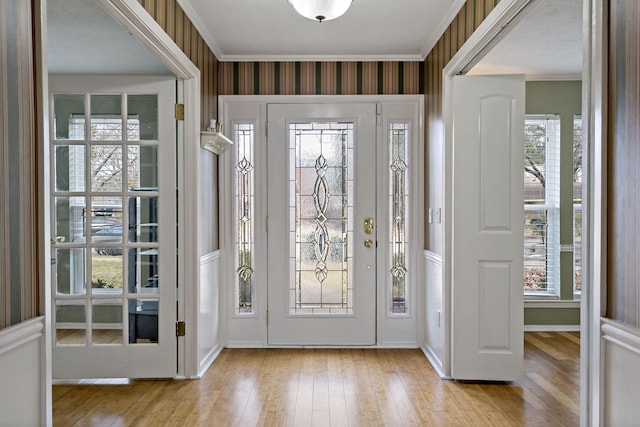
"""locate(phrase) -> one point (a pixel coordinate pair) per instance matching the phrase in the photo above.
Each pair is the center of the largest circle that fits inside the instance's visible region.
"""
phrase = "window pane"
(143, 219)
(106, 222)
(244, 199)
(143, 117)
(107, 272)
(106, 117)
(69, 222)
(542, 204)
(69, 167)
(143, 271)
(143, 320)
(398, 204)
(534, 161)
(535, 250)
(106, 315)
(577, 207)
(70, 321)
(142, 167)
(577, 158)
(70, 271)
(66, 107)
(106, 168)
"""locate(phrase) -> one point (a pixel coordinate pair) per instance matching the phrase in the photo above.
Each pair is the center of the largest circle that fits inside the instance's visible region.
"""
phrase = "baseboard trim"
(435, 362)
(552, 328)
(208, 361)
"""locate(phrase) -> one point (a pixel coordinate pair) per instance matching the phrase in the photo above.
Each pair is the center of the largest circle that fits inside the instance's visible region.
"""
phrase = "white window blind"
(577, 204)
(542, 205)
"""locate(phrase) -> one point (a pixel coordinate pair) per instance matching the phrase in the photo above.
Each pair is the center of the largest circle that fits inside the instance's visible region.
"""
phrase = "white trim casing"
(594, 216)
(44, 211)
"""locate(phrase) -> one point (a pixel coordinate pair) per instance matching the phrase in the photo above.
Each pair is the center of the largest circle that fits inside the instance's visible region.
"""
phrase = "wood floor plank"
(336, 388)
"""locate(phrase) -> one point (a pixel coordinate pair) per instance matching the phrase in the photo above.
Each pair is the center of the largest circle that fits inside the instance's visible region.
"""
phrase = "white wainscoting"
(621, 353)
(434, 328)
(23, 384)
(209, 345)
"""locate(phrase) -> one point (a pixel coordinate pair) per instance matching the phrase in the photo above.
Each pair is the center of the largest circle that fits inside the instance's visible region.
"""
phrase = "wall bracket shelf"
(215, 142)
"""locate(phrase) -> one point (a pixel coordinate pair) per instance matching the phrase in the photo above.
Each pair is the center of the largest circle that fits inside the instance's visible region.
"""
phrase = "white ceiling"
(83, 39)
(546, 42)
(272, 29)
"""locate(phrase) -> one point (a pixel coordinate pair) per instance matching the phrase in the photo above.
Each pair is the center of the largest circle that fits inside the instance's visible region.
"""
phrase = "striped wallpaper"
(320, 78)
(172, 19)
(624, 163)
(463, 25)
(19, 297)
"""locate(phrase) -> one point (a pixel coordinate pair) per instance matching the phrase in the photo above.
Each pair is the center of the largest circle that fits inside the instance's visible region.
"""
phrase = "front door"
(113, 224)
(322, 224)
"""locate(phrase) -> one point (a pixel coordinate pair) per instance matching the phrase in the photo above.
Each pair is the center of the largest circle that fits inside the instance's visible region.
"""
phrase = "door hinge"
(266, 223)
(181, 329)
(179, 111)
(267, 317)
(378, 114)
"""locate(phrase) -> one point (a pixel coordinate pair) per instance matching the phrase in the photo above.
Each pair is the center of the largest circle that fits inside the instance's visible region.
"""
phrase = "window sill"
(551, 304)
(544, 296)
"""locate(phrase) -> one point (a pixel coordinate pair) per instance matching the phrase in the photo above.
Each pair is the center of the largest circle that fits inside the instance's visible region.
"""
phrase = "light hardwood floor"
(336, 387)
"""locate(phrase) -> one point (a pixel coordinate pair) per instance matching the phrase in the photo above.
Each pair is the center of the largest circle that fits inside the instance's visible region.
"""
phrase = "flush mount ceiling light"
(321, 10)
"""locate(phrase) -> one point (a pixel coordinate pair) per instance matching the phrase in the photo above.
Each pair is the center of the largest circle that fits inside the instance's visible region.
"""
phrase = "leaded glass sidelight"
(398, 209)
(321, 210)
(244, 207)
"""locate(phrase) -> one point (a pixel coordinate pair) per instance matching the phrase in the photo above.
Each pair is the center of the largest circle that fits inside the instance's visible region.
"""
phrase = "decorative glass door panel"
(321, 162)
(322, 275)
(113, 226)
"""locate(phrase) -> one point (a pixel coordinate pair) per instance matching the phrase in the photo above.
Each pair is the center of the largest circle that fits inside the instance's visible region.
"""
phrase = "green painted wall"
(552, 316)
(565, 99)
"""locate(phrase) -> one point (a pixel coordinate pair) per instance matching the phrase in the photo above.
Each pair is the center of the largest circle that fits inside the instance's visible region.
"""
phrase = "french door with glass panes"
(319, 230)
(113, 226)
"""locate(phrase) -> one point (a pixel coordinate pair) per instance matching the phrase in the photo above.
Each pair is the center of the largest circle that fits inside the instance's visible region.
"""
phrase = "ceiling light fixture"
(321, 10)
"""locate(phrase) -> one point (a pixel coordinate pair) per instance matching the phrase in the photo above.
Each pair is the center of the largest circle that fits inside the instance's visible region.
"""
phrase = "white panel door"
(321, 258)
(113, 201)
(487, 298)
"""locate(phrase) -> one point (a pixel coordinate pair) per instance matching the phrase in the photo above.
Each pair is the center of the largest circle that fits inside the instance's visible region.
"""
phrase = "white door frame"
(255, 334)
(594, 196)
(135, 19)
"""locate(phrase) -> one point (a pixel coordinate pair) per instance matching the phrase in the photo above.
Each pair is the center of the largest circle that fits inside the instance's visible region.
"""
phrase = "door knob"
(368, 243)
(368, 225)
